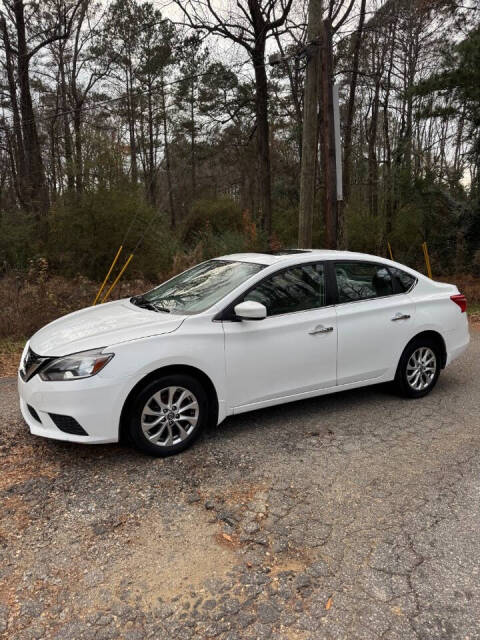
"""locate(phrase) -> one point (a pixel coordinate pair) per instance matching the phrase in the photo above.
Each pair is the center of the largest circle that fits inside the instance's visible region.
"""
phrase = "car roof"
(294, 256)
(297, 256)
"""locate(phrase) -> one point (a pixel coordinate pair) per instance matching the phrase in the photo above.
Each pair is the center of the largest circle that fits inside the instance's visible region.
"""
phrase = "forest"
(178, 130)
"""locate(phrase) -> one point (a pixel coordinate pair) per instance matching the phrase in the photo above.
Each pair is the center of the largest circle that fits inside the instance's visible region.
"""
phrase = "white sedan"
(233, 334)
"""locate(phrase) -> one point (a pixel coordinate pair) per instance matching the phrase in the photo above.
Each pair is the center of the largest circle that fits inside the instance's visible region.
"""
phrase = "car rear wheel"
(418, 369)
(168, 415)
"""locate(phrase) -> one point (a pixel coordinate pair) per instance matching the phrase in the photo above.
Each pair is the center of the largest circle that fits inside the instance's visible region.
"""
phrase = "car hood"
(101, 326)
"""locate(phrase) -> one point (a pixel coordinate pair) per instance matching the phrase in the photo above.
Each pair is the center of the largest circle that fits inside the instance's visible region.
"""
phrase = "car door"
(290, 352)
(375, 320)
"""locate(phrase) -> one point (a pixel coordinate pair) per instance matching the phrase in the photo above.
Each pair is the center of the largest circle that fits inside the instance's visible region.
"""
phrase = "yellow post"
(390, 250)
(108, 275)
(427, 260)
(114, 283)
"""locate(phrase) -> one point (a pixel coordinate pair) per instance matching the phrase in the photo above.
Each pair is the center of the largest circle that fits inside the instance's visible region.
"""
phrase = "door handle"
(320, 329)
(400, 316)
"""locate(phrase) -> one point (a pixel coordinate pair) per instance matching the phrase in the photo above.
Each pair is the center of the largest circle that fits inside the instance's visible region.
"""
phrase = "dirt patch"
(291, 634)
(163, 561)
(243, 494)
(287, 565)
(227, 540)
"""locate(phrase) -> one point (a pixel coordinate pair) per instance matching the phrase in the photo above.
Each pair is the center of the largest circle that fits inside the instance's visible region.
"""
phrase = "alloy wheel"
(170, 416)
(421, 368)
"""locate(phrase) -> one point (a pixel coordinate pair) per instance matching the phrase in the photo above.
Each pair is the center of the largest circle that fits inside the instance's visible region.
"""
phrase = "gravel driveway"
(349, 516)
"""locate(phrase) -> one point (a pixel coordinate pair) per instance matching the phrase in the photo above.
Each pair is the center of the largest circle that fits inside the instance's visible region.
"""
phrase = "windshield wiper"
(159, 307)
(140, 301)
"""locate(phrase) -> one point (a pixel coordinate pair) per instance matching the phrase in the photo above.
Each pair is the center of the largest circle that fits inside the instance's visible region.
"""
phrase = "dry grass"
(10, 352)
(469, 285)
(31, 301)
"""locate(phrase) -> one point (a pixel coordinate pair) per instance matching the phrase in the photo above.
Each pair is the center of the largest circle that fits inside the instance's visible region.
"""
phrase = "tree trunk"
(327, 137)
(77, 127)
(131, 125)
(152, 186)
(263, 141)
(372, 149)
(66, 126)
(11, 151)
(37, 193)
(348, 130)
(53, 156)
(457, 165)
(166, 146)
(388, 180)
(18, 150)
(192, 141)
(294, 81)
(310, 127)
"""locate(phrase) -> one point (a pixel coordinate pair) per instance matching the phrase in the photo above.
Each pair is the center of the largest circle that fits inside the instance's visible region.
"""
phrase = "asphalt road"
(349, 516)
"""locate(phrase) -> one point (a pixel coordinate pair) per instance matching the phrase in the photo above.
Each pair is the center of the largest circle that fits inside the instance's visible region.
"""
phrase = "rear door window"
(362, 281)
(403, 281)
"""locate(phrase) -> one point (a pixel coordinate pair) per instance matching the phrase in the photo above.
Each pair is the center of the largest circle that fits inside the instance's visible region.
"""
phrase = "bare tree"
(250, 28)
(54, 27)
(356, 43)
(310, 125)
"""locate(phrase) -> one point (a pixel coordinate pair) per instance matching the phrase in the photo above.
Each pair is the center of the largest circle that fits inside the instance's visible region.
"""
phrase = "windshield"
(200, 287)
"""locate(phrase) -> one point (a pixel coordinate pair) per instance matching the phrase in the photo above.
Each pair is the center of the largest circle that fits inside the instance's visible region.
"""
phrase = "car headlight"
(77, 365)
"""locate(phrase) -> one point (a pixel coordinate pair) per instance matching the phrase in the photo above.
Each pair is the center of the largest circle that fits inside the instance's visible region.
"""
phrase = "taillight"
(461, 300)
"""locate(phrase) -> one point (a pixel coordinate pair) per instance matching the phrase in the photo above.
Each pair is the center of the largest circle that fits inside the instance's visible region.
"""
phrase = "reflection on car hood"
(101, 326)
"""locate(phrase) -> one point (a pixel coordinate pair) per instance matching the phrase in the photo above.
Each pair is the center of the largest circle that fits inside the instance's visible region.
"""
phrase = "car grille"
(31, 364)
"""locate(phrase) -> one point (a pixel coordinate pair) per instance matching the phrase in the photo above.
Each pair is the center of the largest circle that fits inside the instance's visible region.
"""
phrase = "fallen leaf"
(329, 603)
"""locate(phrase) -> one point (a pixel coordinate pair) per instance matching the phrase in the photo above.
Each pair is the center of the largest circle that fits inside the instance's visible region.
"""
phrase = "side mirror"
(250, 310)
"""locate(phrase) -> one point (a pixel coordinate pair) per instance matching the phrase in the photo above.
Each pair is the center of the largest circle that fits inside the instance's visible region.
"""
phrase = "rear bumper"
(453, 354)
(457, 341)
(95, 404)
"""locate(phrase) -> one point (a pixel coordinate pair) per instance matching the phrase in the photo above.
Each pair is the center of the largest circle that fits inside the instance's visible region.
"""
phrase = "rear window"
(403, 280)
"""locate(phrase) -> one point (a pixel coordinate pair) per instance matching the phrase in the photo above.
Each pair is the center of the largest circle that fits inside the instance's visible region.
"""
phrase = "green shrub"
(217, 215)
(407, 236)
(85, 234)
(363, 232)
(20, 240)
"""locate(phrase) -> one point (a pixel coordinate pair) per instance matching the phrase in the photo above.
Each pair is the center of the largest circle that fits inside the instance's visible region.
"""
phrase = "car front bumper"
(94, 403)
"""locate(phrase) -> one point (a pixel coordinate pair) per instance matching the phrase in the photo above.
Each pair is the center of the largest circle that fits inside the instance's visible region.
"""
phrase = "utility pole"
(310, 125)
(327, 137)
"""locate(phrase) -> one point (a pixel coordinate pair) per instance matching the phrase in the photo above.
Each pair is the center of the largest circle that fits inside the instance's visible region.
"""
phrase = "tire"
(418, 369)
(168, 415)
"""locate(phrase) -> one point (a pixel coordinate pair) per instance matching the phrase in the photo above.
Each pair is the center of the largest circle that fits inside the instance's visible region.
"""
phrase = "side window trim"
(228, 315)
(377, 264)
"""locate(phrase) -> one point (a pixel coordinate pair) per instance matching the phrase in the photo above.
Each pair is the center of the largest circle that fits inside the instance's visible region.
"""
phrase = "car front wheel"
(168, 415)
(418, 369)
